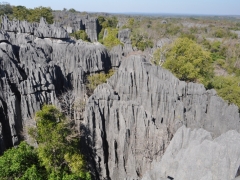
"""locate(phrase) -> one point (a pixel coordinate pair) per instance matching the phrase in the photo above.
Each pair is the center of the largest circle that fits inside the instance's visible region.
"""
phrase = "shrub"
(58, 145)
(5, 8)
(81, 34)
(141, 41)
(21, 163)
(97, 79)
(33, 15)
(228, 88)
(111, 39)
(189, 61)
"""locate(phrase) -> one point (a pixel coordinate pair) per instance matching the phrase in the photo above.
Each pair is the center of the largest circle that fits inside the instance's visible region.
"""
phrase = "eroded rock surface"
(37, 66)
(132, 119)
(129, 121)
(194, 154)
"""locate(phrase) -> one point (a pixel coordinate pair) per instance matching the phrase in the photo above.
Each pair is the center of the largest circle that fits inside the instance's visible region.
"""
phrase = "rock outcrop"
(132, 119)
(72, 22)
(92, 27)
(38, 67)
(194, 154)
(50, 31)
(17, 26)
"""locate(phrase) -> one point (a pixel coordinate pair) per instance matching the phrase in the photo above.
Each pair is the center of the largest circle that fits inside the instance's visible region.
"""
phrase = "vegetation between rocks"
(56, 157)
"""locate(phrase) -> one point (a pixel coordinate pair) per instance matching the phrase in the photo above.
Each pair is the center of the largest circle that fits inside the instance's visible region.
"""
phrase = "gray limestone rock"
(17, 26)
(193, 154)
(124, 36)
(132, 119)
(92, 29)
(34, 71)
(50, 31)
(129, 121)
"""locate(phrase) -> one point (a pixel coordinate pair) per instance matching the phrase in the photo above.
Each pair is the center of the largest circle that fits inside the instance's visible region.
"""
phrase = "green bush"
(228, 88)
(81, 34)
(189, 61)
(218, 51)
(72, 10)
(141, 41)
(33, 15)
(5, 8)
(220, 33)
(111, 39)
(223, 33)
(58, 145)
(110, 24)
(57, 155)
(107, 22)
(21, 163)
(38, 12)
(96, 79)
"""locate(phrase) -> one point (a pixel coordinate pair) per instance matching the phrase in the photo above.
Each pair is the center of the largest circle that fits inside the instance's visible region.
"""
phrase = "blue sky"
(211, 7)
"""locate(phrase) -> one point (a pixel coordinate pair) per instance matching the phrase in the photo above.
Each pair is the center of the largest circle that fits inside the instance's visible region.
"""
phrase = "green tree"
(110, 24)
(21, 12)
(72, 10)
(141, 41)
(38, 12)
(228, 88)
(21, 163)
(5, 8)
(81, 34)
(58, 145)
(97, 79)
(189, 61)
(111, 39)
(33, 15)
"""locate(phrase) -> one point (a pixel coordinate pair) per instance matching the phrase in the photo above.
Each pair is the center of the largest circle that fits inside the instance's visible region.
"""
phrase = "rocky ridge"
(129, 121)
(38, 63)
(132, 119)
(194, 154)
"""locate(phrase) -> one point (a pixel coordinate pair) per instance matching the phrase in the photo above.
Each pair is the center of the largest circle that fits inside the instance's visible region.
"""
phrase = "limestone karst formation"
(143, 123)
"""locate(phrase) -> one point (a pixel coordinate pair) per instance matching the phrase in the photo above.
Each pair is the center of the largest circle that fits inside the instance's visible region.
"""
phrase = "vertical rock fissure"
(6, 131)
(104, 139)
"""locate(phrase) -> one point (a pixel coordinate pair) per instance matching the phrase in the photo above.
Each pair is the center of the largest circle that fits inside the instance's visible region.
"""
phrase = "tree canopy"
(189, 61)
(21, 163)
(111, 39)
(228, 88)
(5, 8)
(81, 34)
(23, 13)
(56, 157)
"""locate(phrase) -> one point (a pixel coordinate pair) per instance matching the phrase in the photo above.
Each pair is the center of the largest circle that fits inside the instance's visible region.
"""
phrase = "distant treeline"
(23, 13)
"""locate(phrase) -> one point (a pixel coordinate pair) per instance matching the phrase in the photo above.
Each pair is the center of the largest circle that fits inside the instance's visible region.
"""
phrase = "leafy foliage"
(57, 155)
(5, 8)
(81, 34)
(72, 10)
(33, 15)
(111, 39)
(141, 41)
(107, 22)
(228, 88)
(58, 145)
(21, 163)
(221, 33)
(110, 24)
(21, 13)
(38, 12)
(97, 79)
(189, 61)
